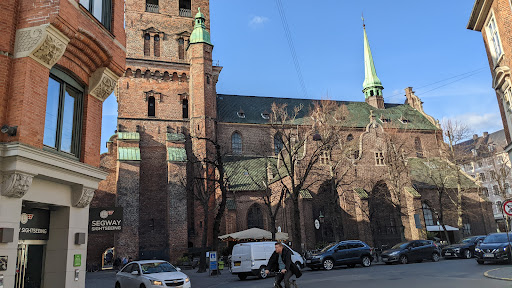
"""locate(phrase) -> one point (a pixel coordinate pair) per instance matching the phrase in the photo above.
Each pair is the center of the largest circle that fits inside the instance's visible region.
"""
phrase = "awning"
(438, 228)
(252, 235)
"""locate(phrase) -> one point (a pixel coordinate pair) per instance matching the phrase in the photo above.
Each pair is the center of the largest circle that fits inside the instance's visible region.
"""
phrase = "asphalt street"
(450, 273)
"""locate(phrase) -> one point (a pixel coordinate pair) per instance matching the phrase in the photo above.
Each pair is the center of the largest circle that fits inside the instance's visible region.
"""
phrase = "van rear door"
(241, 258)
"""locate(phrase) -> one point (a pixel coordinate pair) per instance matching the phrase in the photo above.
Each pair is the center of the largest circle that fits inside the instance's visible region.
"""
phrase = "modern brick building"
(59, 60)
(168, 103)
(493, 19)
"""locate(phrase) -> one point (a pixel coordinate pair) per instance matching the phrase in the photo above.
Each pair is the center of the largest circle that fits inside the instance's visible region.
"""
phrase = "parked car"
(347, 253)
(416, 250)
(252, 258)
(463, 249)
(151, 273)
(494, 248)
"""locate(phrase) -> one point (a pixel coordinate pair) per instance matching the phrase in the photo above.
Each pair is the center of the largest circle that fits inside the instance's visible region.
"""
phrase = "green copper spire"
(371, 85)
(200, 34)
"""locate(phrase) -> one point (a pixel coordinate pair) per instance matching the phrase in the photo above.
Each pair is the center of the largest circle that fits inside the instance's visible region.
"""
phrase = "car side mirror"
(178, 269)
(135, 273)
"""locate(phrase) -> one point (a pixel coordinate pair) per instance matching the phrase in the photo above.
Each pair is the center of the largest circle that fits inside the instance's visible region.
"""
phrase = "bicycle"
(293, 282)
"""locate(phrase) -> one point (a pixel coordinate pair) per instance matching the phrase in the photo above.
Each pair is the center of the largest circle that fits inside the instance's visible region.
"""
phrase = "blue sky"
(422, 44)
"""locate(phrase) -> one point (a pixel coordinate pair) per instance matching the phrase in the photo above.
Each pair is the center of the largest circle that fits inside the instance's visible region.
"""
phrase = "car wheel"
(366, 261)
(299, 267)
(262, 274)
(118, 285)
(242, 276)
(467, 254)
(481, 262)
(142, 286)
(435, 257)
(403, 259)
(328, 264)
(351, 265)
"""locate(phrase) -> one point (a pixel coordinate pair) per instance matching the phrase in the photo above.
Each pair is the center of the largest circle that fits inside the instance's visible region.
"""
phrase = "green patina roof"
(413, 192)
(175, 154)
(442, 174)
(230, 204)
(371, 80)
(304, 193)
(175, 137)
(200, 34)
(128, 154)
(247, 173)
(253, 107)
(128, 136)
(361, 192)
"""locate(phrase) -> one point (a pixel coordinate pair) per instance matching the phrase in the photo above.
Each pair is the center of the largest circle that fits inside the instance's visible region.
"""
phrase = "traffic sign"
(507, 207)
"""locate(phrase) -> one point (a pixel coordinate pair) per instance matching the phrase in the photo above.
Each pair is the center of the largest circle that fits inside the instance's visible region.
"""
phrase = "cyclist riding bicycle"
(281, 261)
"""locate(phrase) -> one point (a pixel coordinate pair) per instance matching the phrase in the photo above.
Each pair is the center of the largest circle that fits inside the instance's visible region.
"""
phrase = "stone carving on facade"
(416, 103)
(82, 196)
(102, 83)
(16, 184)
(45, 44)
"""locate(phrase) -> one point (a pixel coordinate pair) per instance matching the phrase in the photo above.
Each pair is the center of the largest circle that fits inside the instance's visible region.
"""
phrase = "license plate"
(384, 258)
(488, 255)
(448, 253)
(308, 261)
(237, 263)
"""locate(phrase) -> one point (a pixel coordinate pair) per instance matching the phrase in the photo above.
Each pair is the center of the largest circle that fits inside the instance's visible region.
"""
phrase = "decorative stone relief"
(82, 196)
(45, 44)
(16, 184)
(102, 83)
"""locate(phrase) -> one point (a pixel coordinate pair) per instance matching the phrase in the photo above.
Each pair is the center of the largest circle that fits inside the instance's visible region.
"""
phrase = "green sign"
(78, 260)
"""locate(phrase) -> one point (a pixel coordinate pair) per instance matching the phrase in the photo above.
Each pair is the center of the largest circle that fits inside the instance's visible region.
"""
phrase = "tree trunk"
(297, 235)
(273, 227)
(204, 241)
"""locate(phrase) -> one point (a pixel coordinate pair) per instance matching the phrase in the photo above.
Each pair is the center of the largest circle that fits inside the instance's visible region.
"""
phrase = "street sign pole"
(507, 208)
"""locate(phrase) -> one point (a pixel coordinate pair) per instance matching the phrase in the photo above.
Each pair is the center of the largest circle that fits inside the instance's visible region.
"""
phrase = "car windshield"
(496, 238)
(327, 247)
(400, 245)
(468, 240)
(157, 267)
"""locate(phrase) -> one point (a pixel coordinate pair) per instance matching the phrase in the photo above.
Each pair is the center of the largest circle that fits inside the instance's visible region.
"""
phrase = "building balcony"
(153, 8)
(185, 12)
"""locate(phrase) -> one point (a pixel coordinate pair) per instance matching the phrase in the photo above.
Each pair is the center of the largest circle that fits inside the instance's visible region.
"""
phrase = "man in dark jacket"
(281, 260)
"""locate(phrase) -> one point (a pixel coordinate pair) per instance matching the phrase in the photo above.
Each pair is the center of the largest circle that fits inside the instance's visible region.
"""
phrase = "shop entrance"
(29, 264)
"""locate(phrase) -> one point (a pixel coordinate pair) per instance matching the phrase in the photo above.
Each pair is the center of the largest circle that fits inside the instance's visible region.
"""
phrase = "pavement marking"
(486, 274)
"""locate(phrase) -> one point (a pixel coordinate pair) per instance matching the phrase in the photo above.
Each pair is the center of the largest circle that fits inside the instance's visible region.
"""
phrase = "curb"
(486, 274)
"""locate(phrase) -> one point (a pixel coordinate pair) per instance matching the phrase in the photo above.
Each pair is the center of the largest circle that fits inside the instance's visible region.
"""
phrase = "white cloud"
(257, 21)
(478, 123)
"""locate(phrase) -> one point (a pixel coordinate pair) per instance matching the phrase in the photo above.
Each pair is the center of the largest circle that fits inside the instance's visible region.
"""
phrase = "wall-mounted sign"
(77, 260)
(105, 219)
(3, 263)
(34, 224)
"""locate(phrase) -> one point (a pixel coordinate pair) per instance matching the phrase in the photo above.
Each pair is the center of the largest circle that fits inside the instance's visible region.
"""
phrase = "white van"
(252, 258)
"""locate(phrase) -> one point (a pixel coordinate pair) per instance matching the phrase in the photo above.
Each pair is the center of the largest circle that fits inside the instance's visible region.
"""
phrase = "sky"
(419, 44)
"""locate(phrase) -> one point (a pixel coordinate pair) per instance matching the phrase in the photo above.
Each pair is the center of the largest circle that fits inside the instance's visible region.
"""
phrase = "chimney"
(408, 92)
(485, 134)
(475, 136)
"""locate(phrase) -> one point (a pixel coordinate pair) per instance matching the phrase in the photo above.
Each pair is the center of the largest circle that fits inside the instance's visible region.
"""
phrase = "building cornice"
(479, 14)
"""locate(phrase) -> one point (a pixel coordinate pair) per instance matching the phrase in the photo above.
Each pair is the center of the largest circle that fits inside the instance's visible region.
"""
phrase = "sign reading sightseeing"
(105, 219)
(34, 224)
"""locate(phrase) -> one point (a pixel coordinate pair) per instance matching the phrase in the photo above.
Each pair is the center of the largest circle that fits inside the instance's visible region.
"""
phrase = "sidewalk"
(502, 273)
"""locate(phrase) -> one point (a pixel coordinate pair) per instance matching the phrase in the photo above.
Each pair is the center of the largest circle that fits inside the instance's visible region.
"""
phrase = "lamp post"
(321, 219)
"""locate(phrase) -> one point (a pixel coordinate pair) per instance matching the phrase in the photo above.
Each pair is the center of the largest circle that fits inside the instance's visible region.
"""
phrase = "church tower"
(166, 95)
(372, 87)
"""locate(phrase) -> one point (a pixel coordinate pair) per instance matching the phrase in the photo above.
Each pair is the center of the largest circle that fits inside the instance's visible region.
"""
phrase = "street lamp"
(321, 218)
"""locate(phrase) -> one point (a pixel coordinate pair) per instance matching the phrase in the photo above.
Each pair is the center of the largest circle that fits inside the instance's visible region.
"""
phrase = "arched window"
(236, 143)
(147, 39)
(278, 143)
(350, 137)
(427, 214)
(255, 217)
(181, 48)
(151, 106)
(156, 50)
(184, 104)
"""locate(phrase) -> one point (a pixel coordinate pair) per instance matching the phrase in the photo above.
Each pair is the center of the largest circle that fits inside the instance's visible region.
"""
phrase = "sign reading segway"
(105, 219)
(507, 207)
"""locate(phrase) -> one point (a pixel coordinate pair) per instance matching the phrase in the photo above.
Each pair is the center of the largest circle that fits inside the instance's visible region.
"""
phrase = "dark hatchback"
(416, 250)
(347, 253)
(494, 248)
(464, 249)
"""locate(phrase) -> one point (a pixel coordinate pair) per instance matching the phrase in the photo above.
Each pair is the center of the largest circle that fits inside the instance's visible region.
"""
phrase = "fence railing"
(152, 8)
(185, 12)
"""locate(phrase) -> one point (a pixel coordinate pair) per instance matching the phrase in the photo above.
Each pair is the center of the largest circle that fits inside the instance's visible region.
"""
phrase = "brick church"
(167, 99)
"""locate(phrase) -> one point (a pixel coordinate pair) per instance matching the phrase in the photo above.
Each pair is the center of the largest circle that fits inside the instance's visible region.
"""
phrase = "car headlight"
(187, 280)
(456, 249)
(157, 283)
(478, 249)
(315, 257)
(505, 248)
(394, 253)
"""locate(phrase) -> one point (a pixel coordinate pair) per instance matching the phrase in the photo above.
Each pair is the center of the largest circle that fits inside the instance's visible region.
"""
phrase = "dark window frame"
(67, 82)
(106, 12)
